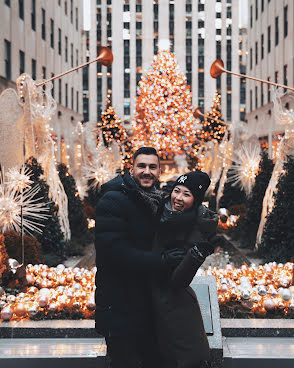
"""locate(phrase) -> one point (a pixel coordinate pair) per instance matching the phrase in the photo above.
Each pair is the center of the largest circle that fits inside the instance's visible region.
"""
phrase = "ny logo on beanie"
(182, 179)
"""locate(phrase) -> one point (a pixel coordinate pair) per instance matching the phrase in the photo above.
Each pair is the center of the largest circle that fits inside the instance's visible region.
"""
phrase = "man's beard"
(147, 189)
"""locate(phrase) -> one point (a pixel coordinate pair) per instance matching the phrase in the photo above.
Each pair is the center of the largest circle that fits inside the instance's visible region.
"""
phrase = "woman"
(186, 224)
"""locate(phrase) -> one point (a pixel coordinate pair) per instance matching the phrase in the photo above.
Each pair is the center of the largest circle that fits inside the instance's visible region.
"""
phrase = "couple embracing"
(148, 249)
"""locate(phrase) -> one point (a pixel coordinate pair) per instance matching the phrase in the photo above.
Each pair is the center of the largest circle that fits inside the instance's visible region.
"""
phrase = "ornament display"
(257, 289)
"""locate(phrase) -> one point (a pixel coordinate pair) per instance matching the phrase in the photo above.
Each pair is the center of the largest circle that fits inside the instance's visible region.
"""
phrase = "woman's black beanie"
(196, 181)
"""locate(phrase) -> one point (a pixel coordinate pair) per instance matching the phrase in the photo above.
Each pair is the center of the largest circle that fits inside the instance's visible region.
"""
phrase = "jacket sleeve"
(184, 273)
(113, 243)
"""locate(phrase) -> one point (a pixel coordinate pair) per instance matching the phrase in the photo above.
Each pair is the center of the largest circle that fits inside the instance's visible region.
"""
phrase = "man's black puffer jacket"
(125, 229)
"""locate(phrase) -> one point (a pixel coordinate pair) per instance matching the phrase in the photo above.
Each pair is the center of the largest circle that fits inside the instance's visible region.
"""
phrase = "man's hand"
(172, 258)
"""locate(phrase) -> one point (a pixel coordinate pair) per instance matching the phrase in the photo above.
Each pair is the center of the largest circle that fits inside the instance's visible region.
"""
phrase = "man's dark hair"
(145, 151)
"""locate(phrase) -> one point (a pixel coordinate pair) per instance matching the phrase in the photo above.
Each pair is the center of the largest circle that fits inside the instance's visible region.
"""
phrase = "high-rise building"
(270, 57)
(44, 39)
(197, 32)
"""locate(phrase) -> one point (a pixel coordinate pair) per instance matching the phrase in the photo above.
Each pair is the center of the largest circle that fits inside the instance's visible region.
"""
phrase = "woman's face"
(181, 198)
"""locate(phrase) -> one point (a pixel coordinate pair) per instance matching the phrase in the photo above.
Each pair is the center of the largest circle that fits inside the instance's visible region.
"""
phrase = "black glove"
(202, 249)
(172, 258)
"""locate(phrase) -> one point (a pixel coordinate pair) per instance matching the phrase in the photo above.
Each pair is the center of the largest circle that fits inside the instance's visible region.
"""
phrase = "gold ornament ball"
(20, 310)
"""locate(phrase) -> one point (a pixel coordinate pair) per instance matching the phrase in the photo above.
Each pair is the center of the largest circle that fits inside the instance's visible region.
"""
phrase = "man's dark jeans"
(133, 352)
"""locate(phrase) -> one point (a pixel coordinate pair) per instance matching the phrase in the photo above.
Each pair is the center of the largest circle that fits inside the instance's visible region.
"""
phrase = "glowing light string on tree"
(164, 117)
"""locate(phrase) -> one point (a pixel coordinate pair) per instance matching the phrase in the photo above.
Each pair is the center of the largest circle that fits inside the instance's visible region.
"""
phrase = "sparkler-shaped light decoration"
(19, 179)
(246, 166)
(18, 205)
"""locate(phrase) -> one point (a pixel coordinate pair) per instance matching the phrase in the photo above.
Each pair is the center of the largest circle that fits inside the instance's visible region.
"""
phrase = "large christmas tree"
(111, 126)
(164, 115)
(213, 127)
(277, 243)
(249, 226)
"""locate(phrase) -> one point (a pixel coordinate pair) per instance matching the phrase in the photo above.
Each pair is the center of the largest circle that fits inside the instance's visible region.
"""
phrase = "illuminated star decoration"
(18, 207)
(19, 179)
(104, 165)
(246, 165)
(164, 114)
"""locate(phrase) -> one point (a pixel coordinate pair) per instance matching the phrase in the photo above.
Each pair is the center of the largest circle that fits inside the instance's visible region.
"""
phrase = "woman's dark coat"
(125, 229)
(180, 329)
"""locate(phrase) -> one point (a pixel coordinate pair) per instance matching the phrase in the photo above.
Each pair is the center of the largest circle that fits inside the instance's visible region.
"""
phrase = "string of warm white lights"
(164, 115)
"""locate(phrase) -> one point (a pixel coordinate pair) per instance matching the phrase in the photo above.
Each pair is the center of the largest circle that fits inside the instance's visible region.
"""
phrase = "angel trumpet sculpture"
(198, 113)
(217, 68)
(105, 57)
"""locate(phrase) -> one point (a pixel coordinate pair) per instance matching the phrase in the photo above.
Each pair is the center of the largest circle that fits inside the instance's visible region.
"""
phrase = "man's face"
(146, 170)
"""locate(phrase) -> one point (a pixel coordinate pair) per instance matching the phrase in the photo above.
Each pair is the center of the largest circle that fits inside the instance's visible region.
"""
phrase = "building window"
(34, 69)
(262, 5)
(21, 62)
(59, 91)
(71, 55)
(43, 72)
(66, 49)
(171, 26)
(59, 41)
(72, 98)
(285, 68)
(77, 101)
(229, 106)
(43, 24)
(65, 7)
(262, 46)
(251, 16)
(276, 77)
(7, 59)
(269, 39)
(53, 86)
(77, 19)
(285, 21)
(7, 2)
(127, 110)
(250, 93)
(33, 15)
(66, 95)
(276, 31)
(201, 84)
(77, 57)
(256, 53)
(250, 55)
(261, 95)
(268, 91)
(71, 11)
(21, 9)
(52, 33)
(256, 9)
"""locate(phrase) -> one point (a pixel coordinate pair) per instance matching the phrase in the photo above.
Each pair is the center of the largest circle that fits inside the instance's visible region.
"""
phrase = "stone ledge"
(86, 328)
(257, 327)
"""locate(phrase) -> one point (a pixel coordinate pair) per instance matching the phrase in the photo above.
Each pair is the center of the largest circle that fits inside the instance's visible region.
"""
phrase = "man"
(126, 217)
